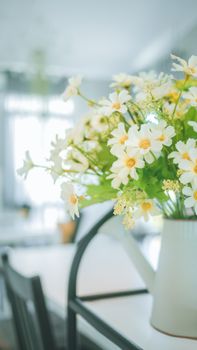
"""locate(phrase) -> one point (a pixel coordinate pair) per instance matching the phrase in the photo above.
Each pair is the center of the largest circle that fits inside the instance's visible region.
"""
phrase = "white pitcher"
(174, 284)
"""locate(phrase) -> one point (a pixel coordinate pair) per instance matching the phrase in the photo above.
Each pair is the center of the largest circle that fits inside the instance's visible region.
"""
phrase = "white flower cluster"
(140, 145)
(147, 122)
(186, 159)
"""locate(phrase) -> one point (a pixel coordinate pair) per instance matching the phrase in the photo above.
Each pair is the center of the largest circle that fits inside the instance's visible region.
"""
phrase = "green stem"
(90, 102)
(180, 94)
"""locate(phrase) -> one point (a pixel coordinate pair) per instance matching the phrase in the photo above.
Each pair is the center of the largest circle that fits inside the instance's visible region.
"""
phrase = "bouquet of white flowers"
(137, 147)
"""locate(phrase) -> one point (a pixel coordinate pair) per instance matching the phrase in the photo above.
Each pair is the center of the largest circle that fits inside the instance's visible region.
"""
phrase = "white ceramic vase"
(174, 284)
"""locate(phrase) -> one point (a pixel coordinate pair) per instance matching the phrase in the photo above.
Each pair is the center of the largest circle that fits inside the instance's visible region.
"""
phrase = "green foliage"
(99, 193)
(105, 158)
(191, 115)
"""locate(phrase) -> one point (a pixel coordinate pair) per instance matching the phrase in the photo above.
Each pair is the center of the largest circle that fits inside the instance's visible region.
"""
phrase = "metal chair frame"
(76, 306)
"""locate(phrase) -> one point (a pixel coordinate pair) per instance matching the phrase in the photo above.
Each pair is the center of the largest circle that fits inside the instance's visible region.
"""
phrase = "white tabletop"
(105, 267)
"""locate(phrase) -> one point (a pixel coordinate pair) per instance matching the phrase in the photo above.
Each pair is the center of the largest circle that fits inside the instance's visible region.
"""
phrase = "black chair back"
(30, 316)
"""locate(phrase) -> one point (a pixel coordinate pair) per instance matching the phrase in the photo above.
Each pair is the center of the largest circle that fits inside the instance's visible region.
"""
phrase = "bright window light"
(24, 104)
(35, 134)
(57, 106)
(34, 104)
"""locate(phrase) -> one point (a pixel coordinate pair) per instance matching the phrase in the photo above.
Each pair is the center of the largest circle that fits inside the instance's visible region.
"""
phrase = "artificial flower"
(75, 161)
(142, 141)
(122, 80)
(116, 103)
(189, 68)
(118, 141)
(27, 166)
(191, 200)
(189, 166)
(71, 200)
(73, 88)
(163, 132)
(183, 151)
(125, 167)
(146, 209)
(191, 96)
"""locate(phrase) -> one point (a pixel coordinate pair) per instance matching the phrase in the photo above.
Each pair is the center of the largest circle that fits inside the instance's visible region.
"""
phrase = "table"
(105, 268)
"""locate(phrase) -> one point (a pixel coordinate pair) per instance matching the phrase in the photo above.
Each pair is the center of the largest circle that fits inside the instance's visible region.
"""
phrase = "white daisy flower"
(116, 103)
(143, 141)
(189, 68)
(151, 86)
(75, 161)
(183, 151)
(73, 88)
(56, 169)
(191, 193)
(191, 96)
(57, 147)
(99, 122)
(122, 80)
(146, 209)
(194, 125)
(27, 166)
(71, 200)
(190, 168)
(163, 133)
(118, 141)
(126, 166)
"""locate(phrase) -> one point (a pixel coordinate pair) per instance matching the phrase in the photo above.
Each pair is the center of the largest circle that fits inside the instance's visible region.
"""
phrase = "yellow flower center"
(123, 139)
(130, 162)
(73, 199)
(186, 156)
(195, 195)
(144, 143)
(173, 96)
(146, 206)
(192, 70)
(161, 138)
(195, 168)
(116, 105)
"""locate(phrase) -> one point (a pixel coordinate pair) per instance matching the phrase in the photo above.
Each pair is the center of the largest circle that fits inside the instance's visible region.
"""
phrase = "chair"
(31, 319)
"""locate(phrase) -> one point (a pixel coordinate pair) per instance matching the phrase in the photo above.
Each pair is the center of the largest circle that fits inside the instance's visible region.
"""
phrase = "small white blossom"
(73, 88)
(99, 122)
(124, 167)
(71, 200)
(122, 80)
(75, 161)
(146, 209)
(163, 133)
(118, 141)
(194, 125)
(189, 68)
(191, 193)
(116, 103)
(151, 85)
(27, 166)
(189, 167)
(142, 141)
(183, 150)
(191, 96)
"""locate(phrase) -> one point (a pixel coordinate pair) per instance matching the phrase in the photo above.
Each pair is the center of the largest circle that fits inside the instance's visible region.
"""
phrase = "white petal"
(189, 202)
(187, 191)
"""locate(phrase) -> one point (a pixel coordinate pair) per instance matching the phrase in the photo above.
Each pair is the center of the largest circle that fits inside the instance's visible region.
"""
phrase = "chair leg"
(71, 330)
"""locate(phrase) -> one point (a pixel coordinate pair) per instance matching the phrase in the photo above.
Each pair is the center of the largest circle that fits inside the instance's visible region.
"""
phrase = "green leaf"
(105, 158)
(99, 193)
(191, 115)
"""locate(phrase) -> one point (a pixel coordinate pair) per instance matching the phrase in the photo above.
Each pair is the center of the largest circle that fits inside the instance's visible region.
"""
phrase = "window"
(30, 124)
